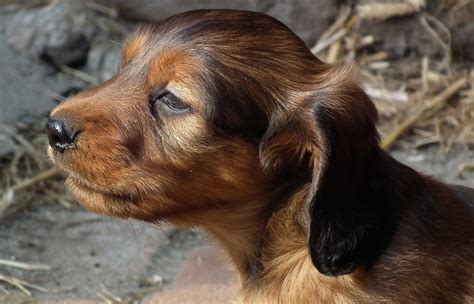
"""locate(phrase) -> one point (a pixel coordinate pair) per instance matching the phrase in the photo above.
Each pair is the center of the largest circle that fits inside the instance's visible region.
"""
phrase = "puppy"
(224, 120)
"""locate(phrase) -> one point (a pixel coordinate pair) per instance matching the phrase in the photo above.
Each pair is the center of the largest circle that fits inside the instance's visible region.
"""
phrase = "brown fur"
(276, 148)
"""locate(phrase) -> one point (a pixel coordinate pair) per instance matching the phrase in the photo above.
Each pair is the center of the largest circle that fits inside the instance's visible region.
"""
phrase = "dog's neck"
(261, 232)
(267, 241)
(267, 250)
(266, 237)
(257, 232)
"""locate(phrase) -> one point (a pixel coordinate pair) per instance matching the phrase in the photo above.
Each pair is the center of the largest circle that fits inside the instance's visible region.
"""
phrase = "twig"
(110, 295)
(323, 44)
(380, 56)
(44, 175)
(344, 14)
(364, 42)
(379, 65)
(466, 167)
(59, 198)
(424, 73)
(56, 96)
(4, 290)
(7, 198)
(79, 74)
(10, 5)
(445, 45)
(20, 284)
(17, 207)
(111, 12)
(15, 282)
(383, 11)
(434, 104)
(24, 266)
(104, 298)
(394, 96)
(333, 53)
(22, 141)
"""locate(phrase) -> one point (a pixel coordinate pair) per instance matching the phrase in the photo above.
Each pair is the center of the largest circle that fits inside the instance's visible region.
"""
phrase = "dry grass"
(27, 168)
(22, 285)
(434, 104)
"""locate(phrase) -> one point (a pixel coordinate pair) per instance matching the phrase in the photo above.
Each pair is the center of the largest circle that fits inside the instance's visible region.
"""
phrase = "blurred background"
(416, 61)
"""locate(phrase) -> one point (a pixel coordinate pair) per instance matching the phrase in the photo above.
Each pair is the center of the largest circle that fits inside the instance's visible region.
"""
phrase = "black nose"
(60, 136)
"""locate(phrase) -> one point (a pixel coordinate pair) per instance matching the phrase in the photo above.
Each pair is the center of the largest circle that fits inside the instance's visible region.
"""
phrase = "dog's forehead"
(217, 56)
(210, 31)
(160, 62)
(134, 43)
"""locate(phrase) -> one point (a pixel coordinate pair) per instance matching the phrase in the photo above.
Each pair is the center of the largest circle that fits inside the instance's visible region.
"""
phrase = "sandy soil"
(91, 254)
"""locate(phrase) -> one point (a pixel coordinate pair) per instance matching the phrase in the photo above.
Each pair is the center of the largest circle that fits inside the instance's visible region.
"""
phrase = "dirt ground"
(93, 257)
(90, 255)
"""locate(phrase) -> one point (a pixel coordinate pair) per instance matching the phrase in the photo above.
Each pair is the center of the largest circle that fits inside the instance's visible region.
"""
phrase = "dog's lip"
(77, 183)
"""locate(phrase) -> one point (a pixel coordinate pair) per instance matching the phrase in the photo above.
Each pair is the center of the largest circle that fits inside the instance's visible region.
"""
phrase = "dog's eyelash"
(167, 101)
(173, 102)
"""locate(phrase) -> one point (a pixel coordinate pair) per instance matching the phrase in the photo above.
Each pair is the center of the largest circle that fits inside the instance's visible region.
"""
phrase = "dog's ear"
(332, 135)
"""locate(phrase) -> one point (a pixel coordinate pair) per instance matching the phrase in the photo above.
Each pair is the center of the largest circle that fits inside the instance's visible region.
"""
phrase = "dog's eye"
(167, 101)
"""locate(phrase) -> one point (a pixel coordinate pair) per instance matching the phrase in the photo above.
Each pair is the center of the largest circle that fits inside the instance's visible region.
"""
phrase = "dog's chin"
(116, 205)
(121, 206)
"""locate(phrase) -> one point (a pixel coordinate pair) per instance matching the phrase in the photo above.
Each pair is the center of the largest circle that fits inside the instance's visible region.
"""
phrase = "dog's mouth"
(99, 201)
(116, 198)
(78, 184)
(111, 201)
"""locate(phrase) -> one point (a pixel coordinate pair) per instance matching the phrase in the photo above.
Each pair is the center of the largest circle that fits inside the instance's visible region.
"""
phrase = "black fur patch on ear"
(352, 221)
(352, 218)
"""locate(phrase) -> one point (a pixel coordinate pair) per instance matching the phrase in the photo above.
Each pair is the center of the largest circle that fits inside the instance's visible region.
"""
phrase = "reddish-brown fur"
(277, 146)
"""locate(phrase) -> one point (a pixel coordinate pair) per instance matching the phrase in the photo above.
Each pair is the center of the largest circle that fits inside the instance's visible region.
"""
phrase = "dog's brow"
(133, 45)
(178, 70)
(170, 66)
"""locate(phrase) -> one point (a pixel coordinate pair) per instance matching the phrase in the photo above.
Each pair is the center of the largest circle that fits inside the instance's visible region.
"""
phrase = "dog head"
(218, 108)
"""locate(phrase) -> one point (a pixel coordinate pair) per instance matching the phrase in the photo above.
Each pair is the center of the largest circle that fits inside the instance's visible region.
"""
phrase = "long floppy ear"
(332, 134)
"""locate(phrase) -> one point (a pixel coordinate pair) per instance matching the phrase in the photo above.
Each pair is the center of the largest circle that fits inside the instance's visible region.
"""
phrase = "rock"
(58, 33)
(6, 144)
(26, 84)
(196, 294)
(205, 265)
(22, 82)
(401, 36)
(404, 36)
(150, 10)
(103, 60)
(73, 52)
(308, 18)
(463, 44)
(205, 277)
(459, 20)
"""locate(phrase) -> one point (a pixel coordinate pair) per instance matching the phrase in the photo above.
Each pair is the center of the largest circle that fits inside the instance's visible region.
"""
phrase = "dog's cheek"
(185, 136)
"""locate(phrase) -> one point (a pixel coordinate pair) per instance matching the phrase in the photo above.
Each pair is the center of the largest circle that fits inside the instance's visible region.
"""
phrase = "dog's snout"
(61, 137)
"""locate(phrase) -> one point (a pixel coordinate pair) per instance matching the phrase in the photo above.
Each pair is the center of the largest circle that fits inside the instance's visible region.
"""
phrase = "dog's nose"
(60, 136)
